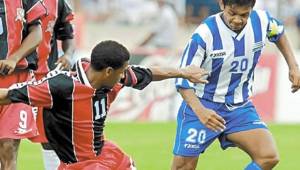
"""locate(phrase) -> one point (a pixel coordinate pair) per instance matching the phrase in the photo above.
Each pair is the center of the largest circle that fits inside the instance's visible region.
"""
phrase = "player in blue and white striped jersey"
(228, 45)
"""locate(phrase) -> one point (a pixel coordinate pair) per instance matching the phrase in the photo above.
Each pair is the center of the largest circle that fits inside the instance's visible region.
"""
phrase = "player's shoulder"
(262, 14)
(58, 77)
(55, 76)
(203, 29)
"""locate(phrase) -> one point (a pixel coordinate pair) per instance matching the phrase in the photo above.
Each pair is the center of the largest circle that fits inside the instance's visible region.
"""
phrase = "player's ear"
(108, 71)
(221, 5)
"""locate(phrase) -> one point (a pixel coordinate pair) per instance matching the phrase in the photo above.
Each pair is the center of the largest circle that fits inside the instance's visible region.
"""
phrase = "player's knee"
(269, 161)
(272, 161)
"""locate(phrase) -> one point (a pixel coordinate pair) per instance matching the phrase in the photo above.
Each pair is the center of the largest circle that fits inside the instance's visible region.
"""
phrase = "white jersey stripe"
(230, 57)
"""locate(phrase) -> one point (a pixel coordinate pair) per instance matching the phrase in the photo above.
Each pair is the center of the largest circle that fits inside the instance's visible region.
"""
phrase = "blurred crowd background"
(131, 21)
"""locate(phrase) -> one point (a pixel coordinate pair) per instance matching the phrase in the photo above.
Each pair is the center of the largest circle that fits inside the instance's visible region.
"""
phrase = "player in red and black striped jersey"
(20, 33)
(77, 104)
(56, 25)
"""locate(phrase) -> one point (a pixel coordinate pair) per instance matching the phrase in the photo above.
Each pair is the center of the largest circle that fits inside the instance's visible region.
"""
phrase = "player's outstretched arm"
(4, 97)
(208, 117)
(192, 73)
(294, 72)
(139, 77)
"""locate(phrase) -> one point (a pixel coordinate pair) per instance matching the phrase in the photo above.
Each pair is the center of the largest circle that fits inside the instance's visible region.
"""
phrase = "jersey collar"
(81, 66)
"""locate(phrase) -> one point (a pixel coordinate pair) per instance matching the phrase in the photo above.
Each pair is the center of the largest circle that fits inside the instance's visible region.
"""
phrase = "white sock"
(51, 161)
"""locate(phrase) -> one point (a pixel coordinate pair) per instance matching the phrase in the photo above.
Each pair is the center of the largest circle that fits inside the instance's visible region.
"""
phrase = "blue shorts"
(192, 137)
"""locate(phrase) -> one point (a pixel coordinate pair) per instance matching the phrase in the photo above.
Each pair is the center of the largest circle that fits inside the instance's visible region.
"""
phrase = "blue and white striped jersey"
(230, 57)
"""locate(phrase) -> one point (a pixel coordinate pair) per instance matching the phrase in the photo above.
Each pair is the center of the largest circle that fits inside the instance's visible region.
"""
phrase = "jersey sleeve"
(34, 9)
(194, 54)
(56, 85)
(137, 77)
(275, 28)
(63, 27)
(31, 93)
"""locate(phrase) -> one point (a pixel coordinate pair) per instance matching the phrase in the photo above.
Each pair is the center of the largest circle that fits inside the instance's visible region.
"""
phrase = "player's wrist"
(14, 58)
(294, 67)
(182, 73)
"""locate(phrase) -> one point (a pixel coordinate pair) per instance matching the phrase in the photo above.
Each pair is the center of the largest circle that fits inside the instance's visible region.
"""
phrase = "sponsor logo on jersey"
(259, 123)
(191, 146)
(220, 54)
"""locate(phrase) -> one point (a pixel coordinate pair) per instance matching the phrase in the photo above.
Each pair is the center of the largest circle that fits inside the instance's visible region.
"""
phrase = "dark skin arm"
(193, 73)
(68, 47)
(28, 45)
(294, 72)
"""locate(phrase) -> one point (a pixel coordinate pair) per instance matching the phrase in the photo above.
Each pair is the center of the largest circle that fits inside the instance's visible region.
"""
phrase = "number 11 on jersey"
(103, 110)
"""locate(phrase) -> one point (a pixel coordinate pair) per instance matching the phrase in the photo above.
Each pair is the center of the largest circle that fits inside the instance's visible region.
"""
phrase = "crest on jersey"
(20, 15)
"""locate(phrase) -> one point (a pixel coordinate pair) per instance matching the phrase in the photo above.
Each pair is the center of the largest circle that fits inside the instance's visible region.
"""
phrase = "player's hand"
(7, 66)
(212, 120)
(195, 74)
(294, 76)
(65, 62)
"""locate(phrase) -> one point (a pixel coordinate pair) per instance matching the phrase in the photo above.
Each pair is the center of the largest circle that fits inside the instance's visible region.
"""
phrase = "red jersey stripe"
(83, 134)
(40, 95)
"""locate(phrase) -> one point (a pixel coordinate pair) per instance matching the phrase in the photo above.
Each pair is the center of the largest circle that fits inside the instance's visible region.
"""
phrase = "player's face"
(116, 75)
(236, 16)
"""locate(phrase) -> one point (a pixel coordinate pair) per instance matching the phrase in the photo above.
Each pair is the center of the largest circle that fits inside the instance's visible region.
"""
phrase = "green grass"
(150, 145)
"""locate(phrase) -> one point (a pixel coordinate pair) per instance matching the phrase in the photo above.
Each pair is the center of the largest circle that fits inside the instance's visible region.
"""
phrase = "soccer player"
(56, 25)
(76, 104)
(228, 45)
(20, 33)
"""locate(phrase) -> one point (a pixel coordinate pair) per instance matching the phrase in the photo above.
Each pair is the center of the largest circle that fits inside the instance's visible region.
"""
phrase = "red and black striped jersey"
(75, 112)
(16, 16)
(56, 25)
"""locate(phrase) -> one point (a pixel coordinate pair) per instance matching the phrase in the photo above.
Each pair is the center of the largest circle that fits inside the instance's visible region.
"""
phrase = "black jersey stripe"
(58, 121)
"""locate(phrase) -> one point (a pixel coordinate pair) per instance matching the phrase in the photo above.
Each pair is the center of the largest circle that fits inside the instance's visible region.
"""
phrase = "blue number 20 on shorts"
(192, 137)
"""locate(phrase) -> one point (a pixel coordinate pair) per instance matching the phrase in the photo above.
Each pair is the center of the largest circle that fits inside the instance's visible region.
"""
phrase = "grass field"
(150, 145)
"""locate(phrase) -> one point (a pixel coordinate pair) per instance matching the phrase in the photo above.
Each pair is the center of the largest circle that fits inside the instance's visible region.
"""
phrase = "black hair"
(109, 54)
(239, 2)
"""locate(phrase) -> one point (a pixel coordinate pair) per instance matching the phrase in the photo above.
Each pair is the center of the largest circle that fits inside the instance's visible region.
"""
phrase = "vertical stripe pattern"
(230, 57)
(210, 88)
